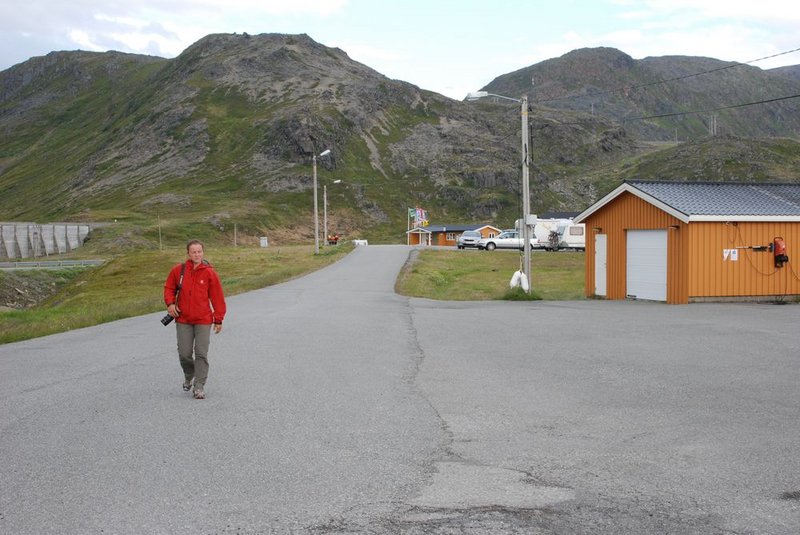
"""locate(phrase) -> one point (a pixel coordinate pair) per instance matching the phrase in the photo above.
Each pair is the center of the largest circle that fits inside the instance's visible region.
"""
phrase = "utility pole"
(316, 207)
(526, 193)
(712, 125)
(316, 202)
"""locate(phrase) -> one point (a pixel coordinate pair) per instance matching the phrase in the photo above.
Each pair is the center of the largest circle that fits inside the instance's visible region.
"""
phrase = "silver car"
(468, 238)
(508, 239)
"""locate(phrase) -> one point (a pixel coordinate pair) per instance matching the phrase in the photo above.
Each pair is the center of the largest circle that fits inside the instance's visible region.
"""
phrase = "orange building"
(446, 234)
(682, 242)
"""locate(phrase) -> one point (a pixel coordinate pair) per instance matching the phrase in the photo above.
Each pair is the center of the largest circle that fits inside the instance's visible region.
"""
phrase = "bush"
(518, 294)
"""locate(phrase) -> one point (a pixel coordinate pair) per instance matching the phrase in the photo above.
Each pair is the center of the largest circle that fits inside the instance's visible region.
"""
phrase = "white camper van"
(555, 234)
(568, 235)
(543, 229)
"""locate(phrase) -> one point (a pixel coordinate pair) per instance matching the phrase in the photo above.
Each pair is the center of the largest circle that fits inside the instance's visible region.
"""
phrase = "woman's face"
(196, 253)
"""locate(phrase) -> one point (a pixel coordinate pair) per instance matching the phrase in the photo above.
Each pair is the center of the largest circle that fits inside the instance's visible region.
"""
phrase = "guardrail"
(49, 264)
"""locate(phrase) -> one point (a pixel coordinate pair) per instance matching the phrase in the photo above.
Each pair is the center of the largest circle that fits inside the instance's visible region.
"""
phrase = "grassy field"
(132, 284)
(454, 275)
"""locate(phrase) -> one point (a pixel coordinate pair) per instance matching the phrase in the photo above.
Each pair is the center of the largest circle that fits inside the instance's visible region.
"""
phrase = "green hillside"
(220, 140)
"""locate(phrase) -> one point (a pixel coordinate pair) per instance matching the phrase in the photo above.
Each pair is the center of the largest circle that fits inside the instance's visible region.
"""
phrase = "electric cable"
(695, 112)
(628, 88)
(750, 259)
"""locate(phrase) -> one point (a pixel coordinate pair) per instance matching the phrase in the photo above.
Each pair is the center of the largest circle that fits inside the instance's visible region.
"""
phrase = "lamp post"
(526, 194)
(316, 202)
(325, 209)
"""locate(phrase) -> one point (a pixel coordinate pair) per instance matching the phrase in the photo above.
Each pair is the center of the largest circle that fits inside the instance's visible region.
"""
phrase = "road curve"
(336, 406)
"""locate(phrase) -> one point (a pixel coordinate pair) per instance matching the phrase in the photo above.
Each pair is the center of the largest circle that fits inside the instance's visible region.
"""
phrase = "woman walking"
(193, 295)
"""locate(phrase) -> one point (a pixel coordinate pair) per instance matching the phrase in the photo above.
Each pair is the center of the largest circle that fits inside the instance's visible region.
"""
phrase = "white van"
(543, 229)
(572, 236)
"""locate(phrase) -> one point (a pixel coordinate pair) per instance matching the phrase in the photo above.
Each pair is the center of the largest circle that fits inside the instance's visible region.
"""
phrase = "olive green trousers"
(193, 342)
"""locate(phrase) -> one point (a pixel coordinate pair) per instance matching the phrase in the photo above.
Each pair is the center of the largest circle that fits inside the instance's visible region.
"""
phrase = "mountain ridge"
(224, 133)
(610, 82)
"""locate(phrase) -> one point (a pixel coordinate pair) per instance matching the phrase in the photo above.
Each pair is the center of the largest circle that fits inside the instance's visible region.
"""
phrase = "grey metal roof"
(453, 228)
(725, 198)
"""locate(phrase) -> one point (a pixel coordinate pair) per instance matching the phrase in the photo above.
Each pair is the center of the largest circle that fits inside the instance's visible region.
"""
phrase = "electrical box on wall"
(779, 251)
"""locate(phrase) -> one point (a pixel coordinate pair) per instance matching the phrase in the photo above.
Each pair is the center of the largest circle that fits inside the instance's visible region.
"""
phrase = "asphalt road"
(337, 406)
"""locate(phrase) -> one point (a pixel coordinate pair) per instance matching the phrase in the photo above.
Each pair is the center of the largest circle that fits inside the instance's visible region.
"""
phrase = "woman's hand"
(173, 310)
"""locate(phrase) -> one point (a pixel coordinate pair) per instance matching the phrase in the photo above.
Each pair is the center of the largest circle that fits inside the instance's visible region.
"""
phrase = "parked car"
(508, 239)
(468, 238)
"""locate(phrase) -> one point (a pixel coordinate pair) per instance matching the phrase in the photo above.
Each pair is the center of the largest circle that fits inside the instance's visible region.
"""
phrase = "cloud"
(83, 40)
(399, 42)
(733, 31)
(674, 12)
(129, 27)
(273, 7)
(369, 54)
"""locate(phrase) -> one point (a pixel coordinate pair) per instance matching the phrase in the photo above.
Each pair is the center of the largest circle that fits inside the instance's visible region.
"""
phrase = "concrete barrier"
(31, 240)
(22, 235)
(8, 236)
(49, 239)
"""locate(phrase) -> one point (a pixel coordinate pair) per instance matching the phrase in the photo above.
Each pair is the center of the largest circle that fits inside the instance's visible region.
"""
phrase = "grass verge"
(453, 275)
(132, 284)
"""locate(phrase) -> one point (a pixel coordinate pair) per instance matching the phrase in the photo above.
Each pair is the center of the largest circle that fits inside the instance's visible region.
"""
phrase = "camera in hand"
(166, 320)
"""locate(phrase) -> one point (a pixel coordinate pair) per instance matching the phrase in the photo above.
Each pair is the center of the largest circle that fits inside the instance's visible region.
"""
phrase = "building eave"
(745, 218)
(623, 188)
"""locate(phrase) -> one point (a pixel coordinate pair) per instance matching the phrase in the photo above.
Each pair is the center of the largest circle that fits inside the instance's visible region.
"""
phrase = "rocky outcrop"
(230, 126)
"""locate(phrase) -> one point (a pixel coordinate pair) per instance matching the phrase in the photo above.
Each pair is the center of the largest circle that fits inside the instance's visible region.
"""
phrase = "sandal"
(187, 385)
(199, 394)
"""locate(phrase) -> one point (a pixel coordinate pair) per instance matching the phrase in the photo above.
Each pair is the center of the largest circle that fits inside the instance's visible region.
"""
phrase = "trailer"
(567, 236)
(543, 230)
(559, 234)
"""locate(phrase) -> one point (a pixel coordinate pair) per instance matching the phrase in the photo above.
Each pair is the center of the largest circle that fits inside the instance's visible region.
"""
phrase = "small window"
(576, 231)
(491, 235)
(450, 236)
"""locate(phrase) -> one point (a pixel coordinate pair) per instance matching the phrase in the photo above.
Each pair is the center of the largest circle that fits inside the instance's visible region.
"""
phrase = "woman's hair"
(194, 242)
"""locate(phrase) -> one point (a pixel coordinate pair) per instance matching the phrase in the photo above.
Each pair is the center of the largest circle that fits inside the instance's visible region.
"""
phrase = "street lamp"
(325, 208)
(526, 194)
(316, 202)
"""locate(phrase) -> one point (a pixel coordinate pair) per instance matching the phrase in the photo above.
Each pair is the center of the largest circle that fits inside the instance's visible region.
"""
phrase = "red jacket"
(201, 300)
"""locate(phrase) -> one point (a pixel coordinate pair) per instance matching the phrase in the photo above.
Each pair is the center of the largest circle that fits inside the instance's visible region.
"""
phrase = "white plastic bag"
(523, 282)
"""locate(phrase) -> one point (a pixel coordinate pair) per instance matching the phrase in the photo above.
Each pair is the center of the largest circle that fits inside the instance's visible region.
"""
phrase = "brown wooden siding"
(415, 238)
(678, 263)
(440, 238)
(754, 273)
(628, 212)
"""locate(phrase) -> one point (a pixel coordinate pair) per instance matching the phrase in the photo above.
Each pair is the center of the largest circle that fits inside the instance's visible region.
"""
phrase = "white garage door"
(647, 264)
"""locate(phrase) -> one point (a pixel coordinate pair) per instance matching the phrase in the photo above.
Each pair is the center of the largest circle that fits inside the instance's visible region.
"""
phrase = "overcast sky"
(451, 47)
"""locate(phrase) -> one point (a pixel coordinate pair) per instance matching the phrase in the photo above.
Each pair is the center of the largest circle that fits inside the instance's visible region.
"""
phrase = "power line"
(694, 112)
(677, 114)
(627, 88)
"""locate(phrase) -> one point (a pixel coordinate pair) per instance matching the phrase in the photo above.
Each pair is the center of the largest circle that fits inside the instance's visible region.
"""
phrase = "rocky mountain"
(224, 134)
(656, 98)
(791, 71)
